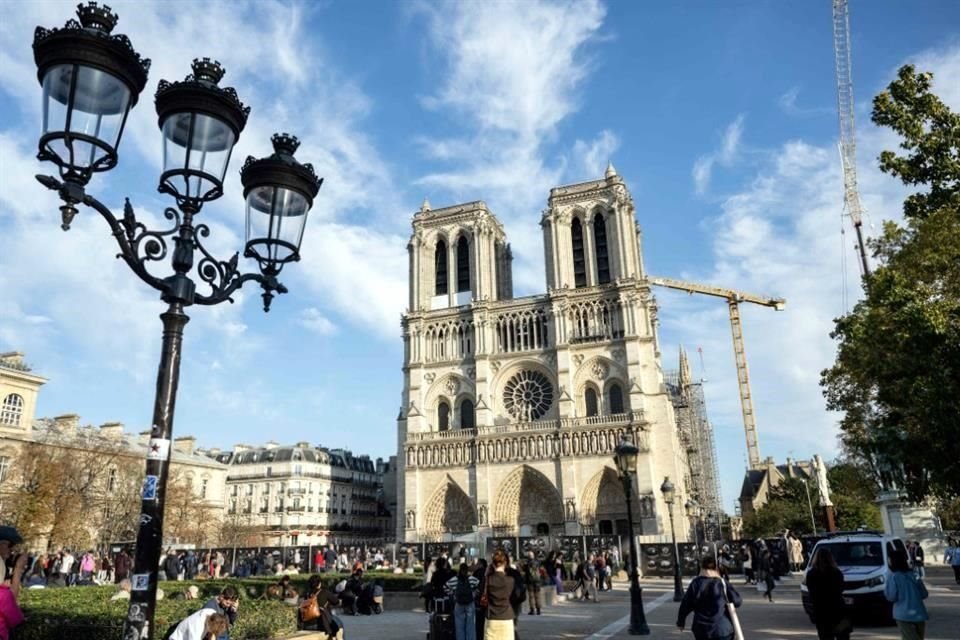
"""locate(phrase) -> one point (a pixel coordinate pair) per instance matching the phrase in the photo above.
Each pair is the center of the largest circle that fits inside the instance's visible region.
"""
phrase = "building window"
(233, 491)
(294, 538)
(616, 399)
(203, 487)
(298, 469)
(443, 416)
(466, 415)
(4, 467)
(112, 480)
(590, 399)
(579, 266)
(264, 505)
(600, 244)
(12, 410)
(249, 489)
(528, 395)
(463, 264)
(440, 267)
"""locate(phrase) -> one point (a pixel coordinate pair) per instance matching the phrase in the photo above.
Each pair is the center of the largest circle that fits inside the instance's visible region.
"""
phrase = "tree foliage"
(897, 373)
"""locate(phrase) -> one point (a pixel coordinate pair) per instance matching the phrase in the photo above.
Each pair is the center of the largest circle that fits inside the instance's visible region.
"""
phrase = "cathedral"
(512, 407)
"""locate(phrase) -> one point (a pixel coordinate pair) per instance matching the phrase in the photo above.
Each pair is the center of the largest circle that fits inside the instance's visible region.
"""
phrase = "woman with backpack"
(907, 594)
(825, 584)
(531, 577)
(707, 598)
(463, 587)
(314, 609)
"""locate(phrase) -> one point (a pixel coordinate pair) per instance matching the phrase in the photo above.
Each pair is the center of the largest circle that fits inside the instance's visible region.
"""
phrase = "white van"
(862, 557)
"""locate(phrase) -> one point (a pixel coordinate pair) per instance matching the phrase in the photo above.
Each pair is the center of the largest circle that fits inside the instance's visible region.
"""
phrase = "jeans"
(912, 630)
(464, 623)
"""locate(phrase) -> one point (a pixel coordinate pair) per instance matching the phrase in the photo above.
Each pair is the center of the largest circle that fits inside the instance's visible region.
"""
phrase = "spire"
(425, 206)
(685, 377)
(611, 171)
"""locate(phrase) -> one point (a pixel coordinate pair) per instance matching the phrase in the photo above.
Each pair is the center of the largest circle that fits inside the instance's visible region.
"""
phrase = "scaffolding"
(696, 435)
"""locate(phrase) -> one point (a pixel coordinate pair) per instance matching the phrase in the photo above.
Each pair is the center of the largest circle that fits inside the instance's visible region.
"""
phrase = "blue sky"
(721, 118)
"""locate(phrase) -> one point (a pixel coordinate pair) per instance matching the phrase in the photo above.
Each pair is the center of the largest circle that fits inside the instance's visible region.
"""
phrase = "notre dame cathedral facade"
(512, 407)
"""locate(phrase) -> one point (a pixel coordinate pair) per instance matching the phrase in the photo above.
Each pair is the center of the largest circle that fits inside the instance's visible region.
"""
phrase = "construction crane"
(733, 298)
(848, 143)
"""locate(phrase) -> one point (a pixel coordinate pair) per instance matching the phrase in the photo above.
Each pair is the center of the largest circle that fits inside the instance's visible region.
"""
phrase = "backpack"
(464, 592)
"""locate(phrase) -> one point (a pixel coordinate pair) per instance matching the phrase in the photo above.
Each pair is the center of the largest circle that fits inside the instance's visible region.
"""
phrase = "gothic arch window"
(590, 402)
(463, 264)
(443, 415)
(579, 264)
(440, 267)
(11, 412)
(600, 245)
(467, 417)
(615, 399)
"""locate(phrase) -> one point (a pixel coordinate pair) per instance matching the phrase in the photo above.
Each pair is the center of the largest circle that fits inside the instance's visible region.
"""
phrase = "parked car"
(862, 557)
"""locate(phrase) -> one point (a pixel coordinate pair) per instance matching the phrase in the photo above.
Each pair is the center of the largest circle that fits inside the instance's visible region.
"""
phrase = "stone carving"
(527, 497)
(619, 355)
(452, 386)
(482, 512)
(450, 510)
(472, 373)
(429, 377)
(495, 365)
(599, 370)
(571, 511)
(578, 359)
(411, 519)
(528, 395)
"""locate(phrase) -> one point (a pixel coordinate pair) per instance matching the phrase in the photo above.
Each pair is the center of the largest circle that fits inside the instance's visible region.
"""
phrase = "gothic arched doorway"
(528, 502)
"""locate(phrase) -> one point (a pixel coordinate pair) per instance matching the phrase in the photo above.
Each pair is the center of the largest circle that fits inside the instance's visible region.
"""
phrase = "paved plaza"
(607, 619)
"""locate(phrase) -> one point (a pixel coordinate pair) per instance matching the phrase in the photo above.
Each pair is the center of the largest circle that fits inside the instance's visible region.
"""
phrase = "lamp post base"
(638, 619)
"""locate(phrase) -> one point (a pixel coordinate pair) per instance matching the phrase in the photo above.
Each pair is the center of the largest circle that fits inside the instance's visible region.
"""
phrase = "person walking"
(747, 551)
(795, 551)
(952, 557)
(480, 573)
(499, 587)
(918, 559)
(464, 588)
(707, 598)
(11, 574)
(825, 584)
(907, 593)
(531, 577)
(121, 568)
(766, 569)
(580, 578)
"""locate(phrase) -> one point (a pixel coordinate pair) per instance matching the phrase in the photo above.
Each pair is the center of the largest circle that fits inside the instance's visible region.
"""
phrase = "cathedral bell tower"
(458, 255)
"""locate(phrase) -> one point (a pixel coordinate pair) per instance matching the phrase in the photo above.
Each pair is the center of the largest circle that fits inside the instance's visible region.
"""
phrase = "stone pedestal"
(911, 522)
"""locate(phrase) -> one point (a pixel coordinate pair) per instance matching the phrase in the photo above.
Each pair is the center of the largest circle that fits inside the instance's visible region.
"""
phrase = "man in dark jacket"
(480, 573)
(171, 565)
(707, 598)
(225, 604)
(517, 597)
(500, 612)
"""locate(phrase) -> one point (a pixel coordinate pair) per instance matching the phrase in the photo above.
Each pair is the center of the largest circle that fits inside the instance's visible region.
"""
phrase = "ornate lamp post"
(669, 493)
(693, 513)
(625, 456)
(91, 79)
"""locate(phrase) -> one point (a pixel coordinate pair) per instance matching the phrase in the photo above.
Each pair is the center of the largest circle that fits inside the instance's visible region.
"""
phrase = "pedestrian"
(747, 551)
(580, 579)
(707, 598)
(825, 584)
(87, 566)
(226, 604)
(314, 609)
(952, 557)
(464, 588)
(121, 567)
(766, 569)
(171, 565)
(600, 565)
(12, 567)
(480, 573)
(918, 559)
(531, 577)
(517, 597)
(558, 573)
(907, 592)
(795, 550)
(499, 587)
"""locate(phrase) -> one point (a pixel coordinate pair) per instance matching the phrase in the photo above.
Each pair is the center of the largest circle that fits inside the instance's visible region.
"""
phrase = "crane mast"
(734, 298)
(848, 144)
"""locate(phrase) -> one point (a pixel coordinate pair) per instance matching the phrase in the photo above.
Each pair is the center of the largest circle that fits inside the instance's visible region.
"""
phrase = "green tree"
(897, 373)
(852, 491)
(787, 507)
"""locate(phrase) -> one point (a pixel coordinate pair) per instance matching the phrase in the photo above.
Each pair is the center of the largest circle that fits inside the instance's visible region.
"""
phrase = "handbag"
(310, 609)
(732, 613)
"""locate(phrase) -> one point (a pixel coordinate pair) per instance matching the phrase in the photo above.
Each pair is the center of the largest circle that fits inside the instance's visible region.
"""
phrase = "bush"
(88, 612)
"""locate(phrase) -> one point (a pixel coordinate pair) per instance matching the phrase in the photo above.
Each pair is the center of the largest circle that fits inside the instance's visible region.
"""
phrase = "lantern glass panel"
(196, 152)
(89, 106)
(276, 217)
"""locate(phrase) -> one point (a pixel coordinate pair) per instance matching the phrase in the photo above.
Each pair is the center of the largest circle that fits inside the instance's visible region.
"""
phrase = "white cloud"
(724, 156)
(788, 104)
(314, 320)
(594, 155)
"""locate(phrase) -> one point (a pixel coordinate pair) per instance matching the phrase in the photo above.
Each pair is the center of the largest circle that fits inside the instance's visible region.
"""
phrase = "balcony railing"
(526, 427)
(296, 508)
(296, 491)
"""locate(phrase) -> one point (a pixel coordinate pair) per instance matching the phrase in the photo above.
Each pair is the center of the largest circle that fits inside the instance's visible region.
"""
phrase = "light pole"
(669, 493)
(91, 79)
(693, 512)
(625, 455)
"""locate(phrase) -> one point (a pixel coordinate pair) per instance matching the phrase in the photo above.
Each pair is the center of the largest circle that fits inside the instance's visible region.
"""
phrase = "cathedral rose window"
(528, 395)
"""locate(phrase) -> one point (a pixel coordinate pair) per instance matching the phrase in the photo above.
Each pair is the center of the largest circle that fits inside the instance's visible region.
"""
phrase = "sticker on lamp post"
(140, 582)
(158, 449)
(150, 485)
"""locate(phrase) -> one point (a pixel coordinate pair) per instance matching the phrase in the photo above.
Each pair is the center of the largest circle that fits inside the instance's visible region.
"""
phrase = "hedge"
(88, 612)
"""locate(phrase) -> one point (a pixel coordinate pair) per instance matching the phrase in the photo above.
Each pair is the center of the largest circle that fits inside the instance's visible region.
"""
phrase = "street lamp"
(693, 513)
(625, 455)
(669, 493)
(91, 79)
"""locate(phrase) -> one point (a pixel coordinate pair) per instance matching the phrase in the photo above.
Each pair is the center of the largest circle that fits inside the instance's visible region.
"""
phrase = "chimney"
(214, 451)
(143, 437)
(303, 445)
(790, 470)
(184, 445)
(112, 430)
(272, 444)
(240, 448)
(67, 423)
